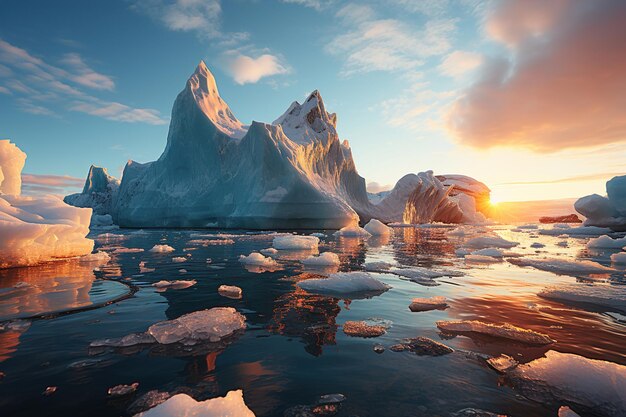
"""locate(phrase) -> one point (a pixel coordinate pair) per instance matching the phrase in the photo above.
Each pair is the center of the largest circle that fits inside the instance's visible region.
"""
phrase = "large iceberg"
(36, 229)
(99, 193)
(609, 211)
(433, 201)
(294, 173)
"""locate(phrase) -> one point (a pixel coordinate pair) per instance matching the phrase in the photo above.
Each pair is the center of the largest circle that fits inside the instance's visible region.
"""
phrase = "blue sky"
(93, 82)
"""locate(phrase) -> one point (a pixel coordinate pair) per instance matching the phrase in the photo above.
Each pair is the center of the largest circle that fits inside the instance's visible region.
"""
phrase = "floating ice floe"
(352, 231)
(377, 228)
(122, 390)
(565, 229)
(319, 235)
(505, 331)
(619, 258)
(128, 250)
(537, 245)
(608, 296)
(422, 275)
(606, 242)
(99, 257)
(363, 329)
(528, 227)
(230, 291)
(492, 252)
(231, 405)
(484, 242)
(269, 251)
(482, 259)
(427, 304)
(594, 386)
(256, 258)
(291, 242)
(564, 266)
(343, 283)
(174, 285)
(422, 346)
(324, 259)
(377, 266)
(179, 259)
(162, 249)
(502, 363)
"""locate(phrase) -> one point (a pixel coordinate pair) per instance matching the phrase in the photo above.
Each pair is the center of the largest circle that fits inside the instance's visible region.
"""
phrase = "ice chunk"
(363, 329)
(575, 231)
(257, 259)
(231, 405)
(230, 291)
(422, 346)
(205, 325)
(606, 242)
(482, 259)
(502, 363)
(537, 245)
(122, 390)
(565, 411)
(505, 331)
(174, 285)
(269, 251)
(179, 259)
(426, 304)
(129, 340)
(99, 258)
(344, 283)
(492, 252)
(609, 296)
(352, 231)
(596, 386)
(324, 259)
(564, 266)
(319, 235)
(377, 228)
(377, 266)
(619, 258)
(483, 242)
(162, 249)
(128, 250)
(292, 242)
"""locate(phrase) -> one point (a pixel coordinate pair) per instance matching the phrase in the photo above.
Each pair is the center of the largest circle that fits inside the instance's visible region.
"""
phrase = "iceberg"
(606, 242)
(505, 331)
(257, 259)
(609, 211)
(217, 172)
(36, 229)
(183, 405)
(377, 228)
(99, 194)
(162, 249)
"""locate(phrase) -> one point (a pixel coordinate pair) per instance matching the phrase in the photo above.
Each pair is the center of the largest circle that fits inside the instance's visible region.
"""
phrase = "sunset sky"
(530, 100)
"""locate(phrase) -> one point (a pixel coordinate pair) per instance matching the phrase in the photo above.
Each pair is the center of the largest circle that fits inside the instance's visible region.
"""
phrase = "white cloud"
(314, 4)
(373, 44)
(245, 69)
(38, 85)
(459, 63)
(5, 90)
(420, 108)
(86, 76)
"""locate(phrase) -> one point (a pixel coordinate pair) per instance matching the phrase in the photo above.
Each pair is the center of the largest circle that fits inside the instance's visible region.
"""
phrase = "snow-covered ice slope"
(291, 174)
(36, 229)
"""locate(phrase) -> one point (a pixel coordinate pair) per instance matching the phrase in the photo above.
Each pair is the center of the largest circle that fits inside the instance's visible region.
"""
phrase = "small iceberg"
(352, 231)
(377, 228)
(164, 285)
(292, 242)
(344, 283)
(230, 291)
(232, 404)
(427, 304)
(161, 249)
(324, 259)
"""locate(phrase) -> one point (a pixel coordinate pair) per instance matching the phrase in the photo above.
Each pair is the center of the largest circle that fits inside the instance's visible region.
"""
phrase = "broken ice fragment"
(502, 363)
(232, 404)
(122, 390)
(426, 304)
(363, 329)
(422, 346)
(230, 291)
(505, 331)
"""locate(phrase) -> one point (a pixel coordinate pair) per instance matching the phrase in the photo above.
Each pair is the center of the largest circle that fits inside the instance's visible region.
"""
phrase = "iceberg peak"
(309, 121)
(203, 88)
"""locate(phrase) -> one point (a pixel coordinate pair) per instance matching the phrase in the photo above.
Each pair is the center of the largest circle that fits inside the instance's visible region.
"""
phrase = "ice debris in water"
(128, 250)
(608, 296)
(179, 259)
(232, 404)
(475, 412)
(257, 259)
(422, 275)
(505, 331)
(122, 390)
(269, 251)
(563, 266)
(324, 259)
(291, 242)
(482, 259)
(596, 386)
(619, 258)
(352, 231)
(174, 285)
(537, 245)
(377, 228)
(422, 346)
(560, 229)
(377, 266)
(99, 257)
(210, 325)
(205, 325)
(319, 235)
(606, 242)
(502, 363)
(426, 304)
(344, 283)
(483, 242)
(493, 252)
(363, 329)
(230, 291)
(162, 249)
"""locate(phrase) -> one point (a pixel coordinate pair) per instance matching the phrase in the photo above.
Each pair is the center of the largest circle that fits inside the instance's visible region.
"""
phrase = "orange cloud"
(562, 87)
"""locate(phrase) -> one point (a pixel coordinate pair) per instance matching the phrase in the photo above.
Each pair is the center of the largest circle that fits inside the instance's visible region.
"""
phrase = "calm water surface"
(293, 350)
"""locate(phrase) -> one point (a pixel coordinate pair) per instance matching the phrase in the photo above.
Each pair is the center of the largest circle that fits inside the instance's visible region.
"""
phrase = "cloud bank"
(563, 85)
